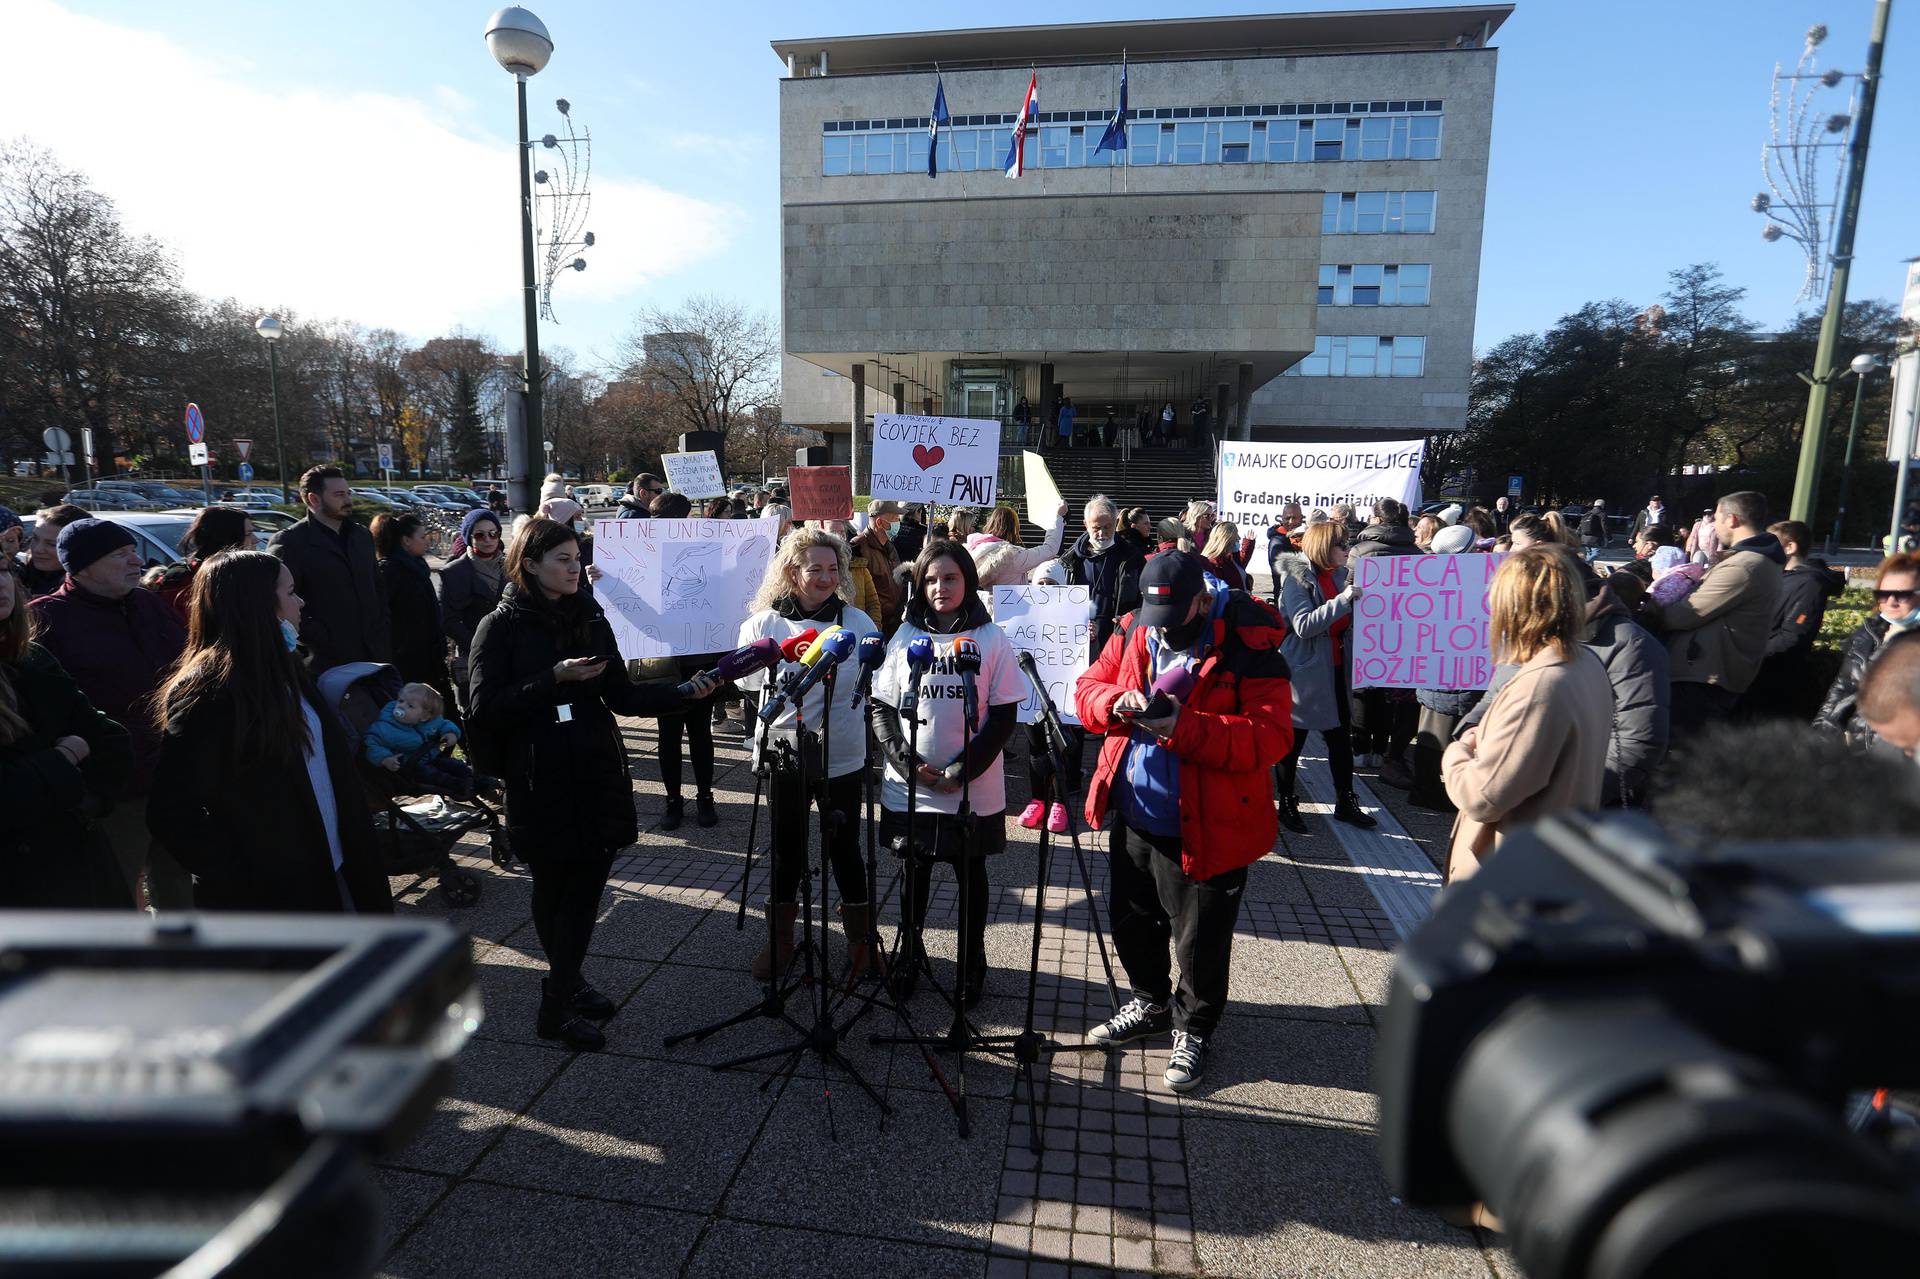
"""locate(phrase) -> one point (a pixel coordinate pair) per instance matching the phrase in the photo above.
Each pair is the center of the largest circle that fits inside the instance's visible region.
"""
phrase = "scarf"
(1339, 628)
(790, 607)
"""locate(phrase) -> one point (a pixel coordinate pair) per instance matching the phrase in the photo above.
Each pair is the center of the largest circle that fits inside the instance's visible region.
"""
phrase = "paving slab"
(408, 1196)
(493, 1082)
(483, 1231)
(756, 1251)
(1299, 1072)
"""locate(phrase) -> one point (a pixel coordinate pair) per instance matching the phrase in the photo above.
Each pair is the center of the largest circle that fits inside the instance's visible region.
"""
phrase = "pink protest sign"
(1421, 621)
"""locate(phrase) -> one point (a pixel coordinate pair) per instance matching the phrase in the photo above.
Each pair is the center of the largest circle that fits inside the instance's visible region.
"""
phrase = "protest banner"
(1055, 624)
(1258, 480)
(694, 474)
(679, 588)
(947, 461)
(1043, 495)
(1421, 621)
(821, 492)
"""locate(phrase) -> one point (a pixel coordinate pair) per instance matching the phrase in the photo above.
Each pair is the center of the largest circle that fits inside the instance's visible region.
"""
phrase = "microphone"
(1173, 686)
(821, 657)
(919, 658)
(794, 645)
(762, 654)
(966, 661)
(872, 652)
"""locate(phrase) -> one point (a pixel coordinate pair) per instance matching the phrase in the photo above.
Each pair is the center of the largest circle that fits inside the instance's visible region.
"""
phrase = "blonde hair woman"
(1223, 554)
(962, 522)
(807, 587)
(1542, 746)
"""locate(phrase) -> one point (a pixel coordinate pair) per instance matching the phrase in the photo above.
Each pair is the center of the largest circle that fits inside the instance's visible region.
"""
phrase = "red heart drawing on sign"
(924, 457)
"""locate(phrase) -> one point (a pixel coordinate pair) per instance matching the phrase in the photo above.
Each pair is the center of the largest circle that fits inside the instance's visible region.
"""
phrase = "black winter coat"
(1780, 689)
(1118, 593)
(568, 790)
(345, 619)
(1838, 714)
(250, 829)
(419, 637)
(908, 541)
(48, 857)
(1385, 539)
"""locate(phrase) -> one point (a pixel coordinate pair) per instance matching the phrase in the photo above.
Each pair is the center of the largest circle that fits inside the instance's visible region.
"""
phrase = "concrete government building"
(1292, 233)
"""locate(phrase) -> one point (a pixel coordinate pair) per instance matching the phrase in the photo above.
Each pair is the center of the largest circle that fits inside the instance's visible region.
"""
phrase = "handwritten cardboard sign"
(948, 461)
(694, 474)
(679, 588)
(1421, 621)
(821, 492)
(1055, 624)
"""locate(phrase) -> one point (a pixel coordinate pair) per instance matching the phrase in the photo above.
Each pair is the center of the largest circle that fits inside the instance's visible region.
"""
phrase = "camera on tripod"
(1638, 1054)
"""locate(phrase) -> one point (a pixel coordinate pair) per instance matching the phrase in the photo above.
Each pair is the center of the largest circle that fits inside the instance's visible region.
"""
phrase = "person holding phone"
(546, 684)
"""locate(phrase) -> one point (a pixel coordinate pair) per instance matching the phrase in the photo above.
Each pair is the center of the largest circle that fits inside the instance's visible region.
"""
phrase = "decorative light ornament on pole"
(1790, 162)
(268, 327)
(520, 44)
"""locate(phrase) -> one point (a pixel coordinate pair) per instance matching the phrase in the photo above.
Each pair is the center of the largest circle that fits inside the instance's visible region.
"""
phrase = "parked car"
(106, 500)
(596, 496)
(157, 533)
(374, 497)
(466, 497)
(153, 490)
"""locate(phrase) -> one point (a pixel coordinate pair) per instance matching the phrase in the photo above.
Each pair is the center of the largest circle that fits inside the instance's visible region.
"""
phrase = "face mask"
(1906, 623)
(1186, 634)
(289, 635)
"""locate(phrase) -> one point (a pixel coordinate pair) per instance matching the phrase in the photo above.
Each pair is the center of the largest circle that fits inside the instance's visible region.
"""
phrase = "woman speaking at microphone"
(806, 589)
(546, 683)
(944, 608)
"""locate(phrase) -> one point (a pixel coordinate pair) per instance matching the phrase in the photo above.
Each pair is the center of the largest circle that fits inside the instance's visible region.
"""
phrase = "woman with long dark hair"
(546, 682)
(806, 587)
(470, 586)
(945, 607)
(59, 761)
(413, 607)
(255, 792)
(215, 529)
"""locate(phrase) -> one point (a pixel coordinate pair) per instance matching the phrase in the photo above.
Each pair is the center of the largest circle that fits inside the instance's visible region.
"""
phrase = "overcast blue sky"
(351, 159)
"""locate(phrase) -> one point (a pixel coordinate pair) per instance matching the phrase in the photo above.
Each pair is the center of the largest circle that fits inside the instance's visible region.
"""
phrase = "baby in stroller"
(410, 738)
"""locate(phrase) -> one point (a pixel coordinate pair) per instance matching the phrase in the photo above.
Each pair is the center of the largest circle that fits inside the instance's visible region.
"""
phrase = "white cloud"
(358, 206)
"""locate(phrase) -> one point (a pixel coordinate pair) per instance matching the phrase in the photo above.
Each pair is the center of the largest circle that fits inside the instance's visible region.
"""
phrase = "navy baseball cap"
(1169, 584)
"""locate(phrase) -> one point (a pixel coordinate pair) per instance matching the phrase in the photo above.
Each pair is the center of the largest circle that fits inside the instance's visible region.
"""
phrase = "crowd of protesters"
(142, 720)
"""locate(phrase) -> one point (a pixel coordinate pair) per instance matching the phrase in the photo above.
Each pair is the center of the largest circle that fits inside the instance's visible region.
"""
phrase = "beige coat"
(1542, 750)
(1719, 633)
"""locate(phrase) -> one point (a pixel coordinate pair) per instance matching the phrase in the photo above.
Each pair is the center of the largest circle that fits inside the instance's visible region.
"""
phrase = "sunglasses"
(1903, 596)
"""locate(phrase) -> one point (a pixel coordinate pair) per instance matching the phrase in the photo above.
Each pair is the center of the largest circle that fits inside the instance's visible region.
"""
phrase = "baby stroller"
(417, 838)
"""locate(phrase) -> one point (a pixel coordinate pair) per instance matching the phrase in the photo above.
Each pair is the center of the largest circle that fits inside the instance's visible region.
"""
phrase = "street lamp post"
(1861, 366)
(268, 327)
(519, 43)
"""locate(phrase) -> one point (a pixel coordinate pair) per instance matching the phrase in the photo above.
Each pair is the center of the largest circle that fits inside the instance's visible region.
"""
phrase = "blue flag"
(1115, 138)
(940, 117)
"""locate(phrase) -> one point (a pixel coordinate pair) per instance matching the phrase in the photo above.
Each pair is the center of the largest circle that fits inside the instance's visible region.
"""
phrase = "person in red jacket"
(1190, 792)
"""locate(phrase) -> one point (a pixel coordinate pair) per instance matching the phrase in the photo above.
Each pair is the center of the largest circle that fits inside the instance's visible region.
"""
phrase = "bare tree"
(713, 363)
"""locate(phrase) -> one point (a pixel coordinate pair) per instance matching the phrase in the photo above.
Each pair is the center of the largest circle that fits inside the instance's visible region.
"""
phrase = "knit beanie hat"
(561, 510)
(8, 520)
(84, 541)
(1450, 515)
(1453, 540)
(554, 487)
(474, 517)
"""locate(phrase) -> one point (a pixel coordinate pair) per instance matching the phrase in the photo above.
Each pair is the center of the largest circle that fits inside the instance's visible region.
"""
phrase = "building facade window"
(1363, 357)
(1375, 284)
(1271, 133)
(1376, 213)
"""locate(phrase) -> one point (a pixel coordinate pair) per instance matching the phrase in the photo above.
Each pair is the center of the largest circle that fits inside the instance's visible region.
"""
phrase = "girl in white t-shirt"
(944, 606)
(806, 588)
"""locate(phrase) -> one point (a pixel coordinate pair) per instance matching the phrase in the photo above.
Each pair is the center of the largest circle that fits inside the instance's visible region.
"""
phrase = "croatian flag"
(940, 117)
(1029, 111)
(1115, 138)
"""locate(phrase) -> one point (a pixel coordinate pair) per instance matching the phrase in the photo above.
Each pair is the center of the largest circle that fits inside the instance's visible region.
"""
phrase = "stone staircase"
(1162, 480)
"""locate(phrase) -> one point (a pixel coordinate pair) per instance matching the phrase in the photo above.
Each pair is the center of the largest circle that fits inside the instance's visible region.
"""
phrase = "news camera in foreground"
(196, 1094)
(1638, 1054)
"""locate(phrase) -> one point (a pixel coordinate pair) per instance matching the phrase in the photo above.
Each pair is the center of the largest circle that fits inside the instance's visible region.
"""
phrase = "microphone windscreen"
(966, 654)
(742, 662)
(1176, 682)
(920, 653)
(840, 643)
(873, 650)
(797, 644)
(818, 648)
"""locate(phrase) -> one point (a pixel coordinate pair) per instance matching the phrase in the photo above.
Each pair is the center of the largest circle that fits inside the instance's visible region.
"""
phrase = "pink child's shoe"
(1031, 814)
(1057, 819)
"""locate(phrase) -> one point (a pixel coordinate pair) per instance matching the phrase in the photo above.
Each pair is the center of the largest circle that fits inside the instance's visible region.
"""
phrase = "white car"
(157, 534)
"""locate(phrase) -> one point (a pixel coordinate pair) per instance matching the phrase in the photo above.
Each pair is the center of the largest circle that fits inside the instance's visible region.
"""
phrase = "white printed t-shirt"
(943, 721)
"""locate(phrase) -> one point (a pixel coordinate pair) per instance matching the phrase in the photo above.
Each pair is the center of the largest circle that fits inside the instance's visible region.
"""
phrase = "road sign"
(196, 425)
(246, 472)
(1515, 485)
(57, 440)
(242, 449)
(197, 454)
(86, 441)
(386, 457)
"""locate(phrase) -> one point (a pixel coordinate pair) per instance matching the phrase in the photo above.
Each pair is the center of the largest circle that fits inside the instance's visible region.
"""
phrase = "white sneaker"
(1137, 1020)
(1188, 1063)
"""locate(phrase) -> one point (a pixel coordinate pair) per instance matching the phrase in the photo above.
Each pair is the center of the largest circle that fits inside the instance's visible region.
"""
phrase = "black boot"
(1348, 811)
(1290, 815)
(559, 1020)
(704, 813)
(591, 1004)
(675, 814)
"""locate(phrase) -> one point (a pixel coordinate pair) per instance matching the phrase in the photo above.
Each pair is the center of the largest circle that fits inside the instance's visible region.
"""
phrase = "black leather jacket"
(1837, 713)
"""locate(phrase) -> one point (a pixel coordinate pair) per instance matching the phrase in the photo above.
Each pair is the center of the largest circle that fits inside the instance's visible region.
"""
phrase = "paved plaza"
(642, 1160)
